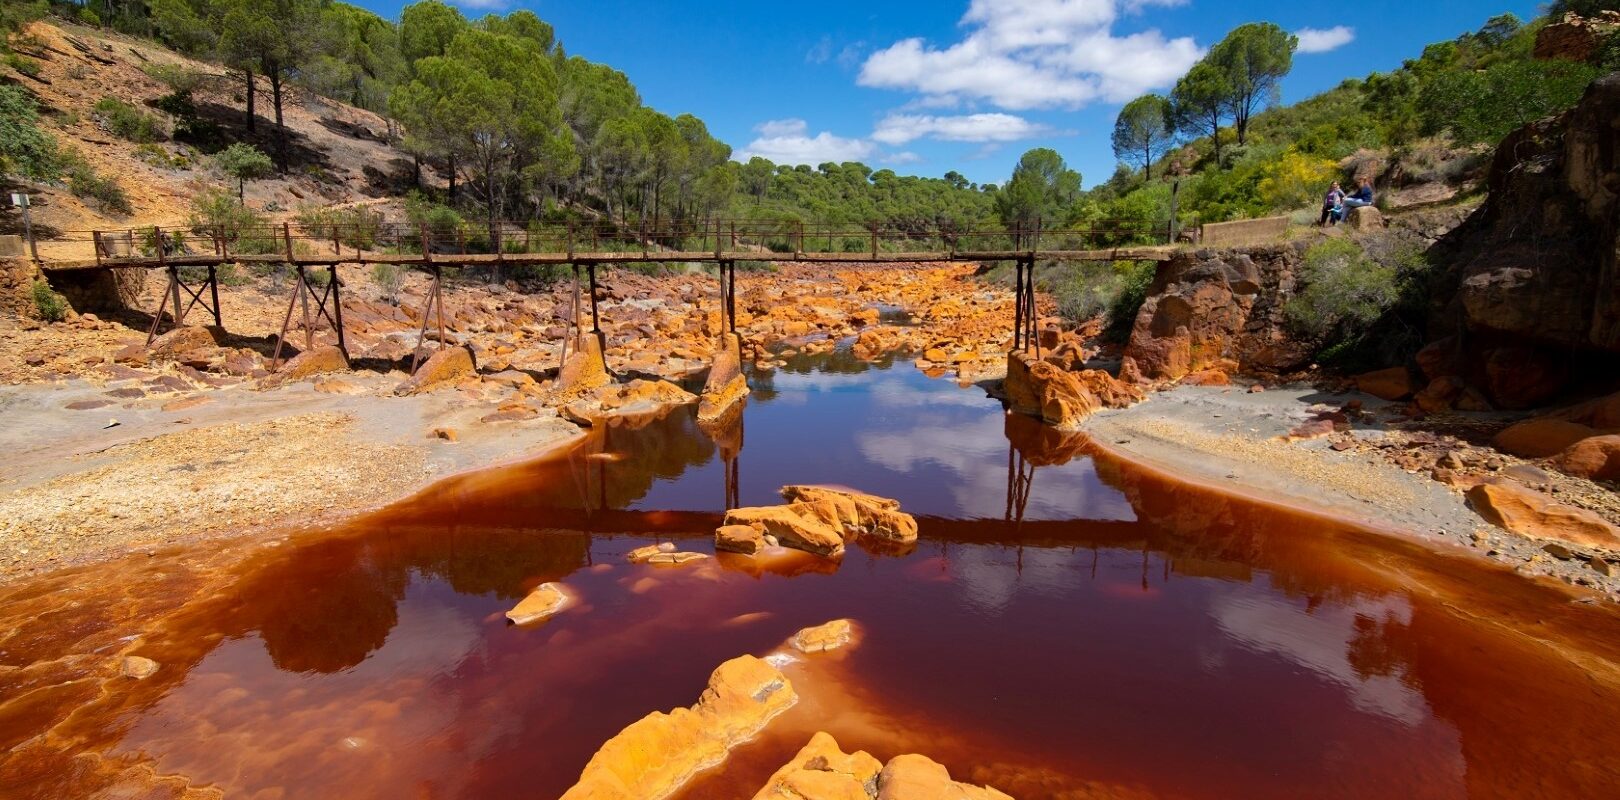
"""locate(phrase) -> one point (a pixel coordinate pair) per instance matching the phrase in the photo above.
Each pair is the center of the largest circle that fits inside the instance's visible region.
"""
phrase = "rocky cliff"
(1525, 299)
(1532, 286)
(1218, 309)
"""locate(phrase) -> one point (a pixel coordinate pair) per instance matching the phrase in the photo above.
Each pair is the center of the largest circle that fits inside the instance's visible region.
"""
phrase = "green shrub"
(1343, 289)
(233, 275)
(1487, 105)
(85, 183)
(218, 212)
(357, 226)
(157, 156)
(128, 122)
(51, 305)
(388, 278)
(88, 16)
(25, 66)
(1112, 291)
(24, 148)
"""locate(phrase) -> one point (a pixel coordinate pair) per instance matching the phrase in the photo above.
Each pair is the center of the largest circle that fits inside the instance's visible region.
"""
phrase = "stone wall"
(1243, 231)
(100, 291)
(1218, 308)
(1576, 38)
(16, 281)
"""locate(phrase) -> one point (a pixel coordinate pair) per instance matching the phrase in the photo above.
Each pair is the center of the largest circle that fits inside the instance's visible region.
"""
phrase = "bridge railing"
(337, 240)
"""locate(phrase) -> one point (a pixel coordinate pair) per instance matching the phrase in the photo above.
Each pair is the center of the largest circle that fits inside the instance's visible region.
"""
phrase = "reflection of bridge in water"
(191, 257)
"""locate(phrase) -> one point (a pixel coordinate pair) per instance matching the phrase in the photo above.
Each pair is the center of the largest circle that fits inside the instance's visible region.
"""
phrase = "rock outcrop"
(827, 636)
(823, 771)
(446, 367)
(797, 526)
(1211, 306)
(1597, 458)
(1059, 397)
(915, 777)
(541, 604)
(319, 361)
(856, 512)
(656, 755)
(818, 520)
(1531, 287)
(636, 398)
(726, 385)
(1515, 508)
(1576, 38)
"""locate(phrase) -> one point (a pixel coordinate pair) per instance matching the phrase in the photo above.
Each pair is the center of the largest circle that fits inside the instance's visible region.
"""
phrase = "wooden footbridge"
(191, 256)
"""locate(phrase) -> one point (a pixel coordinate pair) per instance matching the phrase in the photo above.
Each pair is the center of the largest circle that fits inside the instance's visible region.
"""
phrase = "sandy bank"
(75, 487)
(1241, 441)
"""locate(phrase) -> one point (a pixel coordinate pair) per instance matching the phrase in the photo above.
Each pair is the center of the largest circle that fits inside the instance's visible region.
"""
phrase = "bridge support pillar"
(433, 303)
(1025, 322)
(171, 301)
(303, 292)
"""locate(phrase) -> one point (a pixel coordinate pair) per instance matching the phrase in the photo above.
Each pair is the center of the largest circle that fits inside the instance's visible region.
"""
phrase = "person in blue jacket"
(1363, 196)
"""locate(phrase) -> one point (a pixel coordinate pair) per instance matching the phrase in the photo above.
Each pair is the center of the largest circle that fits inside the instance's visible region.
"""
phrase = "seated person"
(1363, 196)
(1331, 206)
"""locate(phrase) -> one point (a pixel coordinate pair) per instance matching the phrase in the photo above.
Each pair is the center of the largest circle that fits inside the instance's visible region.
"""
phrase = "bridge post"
(1018, 306)
(337, 308)
(213, 288)
(596, 323)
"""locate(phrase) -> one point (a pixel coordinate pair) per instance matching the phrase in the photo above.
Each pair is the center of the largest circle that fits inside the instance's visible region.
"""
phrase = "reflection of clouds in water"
(1320, 640)
(991, 576)
(975, 452)
(903, 394)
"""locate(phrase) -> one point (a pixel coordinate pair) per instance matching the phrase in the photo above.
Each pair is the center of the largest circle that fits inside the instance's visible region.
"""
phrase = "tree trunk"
(241, 190)
(252, 115)
(281, 129)
(416, 171)
(451, 195)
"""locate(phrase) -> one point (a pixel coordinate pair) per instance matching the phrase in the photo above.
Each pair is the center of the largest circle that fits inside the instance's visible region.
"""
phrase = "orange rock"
(726, 384)
(1208, 377)
(1440, 394)
(585, 369)
(822, 771)
(1541, 438)
(448, 366)
(656, 755)
(319, 361)
(794, 526)
(914, 777)
(1394, 383)
(1597, 457)
(1061, 398)
(936, 355)
(824, 637)
(546, 600)
(181, 340)
(857, 512)
(744, 539)
(1515, 508)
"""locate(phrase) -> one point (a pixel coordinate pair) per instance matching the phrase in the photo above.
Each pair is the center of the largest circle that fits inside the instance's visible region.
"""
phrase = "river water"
(1070, 625)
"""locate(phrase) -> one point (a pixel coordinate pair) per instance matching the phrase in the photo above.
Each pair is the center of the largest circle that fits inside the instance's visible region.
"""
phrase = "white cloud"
(788, 141)
(903, 157)
(1023, 54)
(897, 129)
(1316, 40)
(481, 5)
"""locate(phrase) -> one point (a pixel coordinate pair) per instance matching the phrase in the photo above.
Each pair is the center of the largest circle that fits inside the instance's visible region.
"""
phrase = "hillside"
(341, 154)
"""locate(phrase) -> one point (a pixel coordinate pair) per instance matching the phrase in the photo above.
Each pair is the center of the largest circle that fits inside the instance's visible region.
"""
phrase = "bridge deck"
(1151, 253)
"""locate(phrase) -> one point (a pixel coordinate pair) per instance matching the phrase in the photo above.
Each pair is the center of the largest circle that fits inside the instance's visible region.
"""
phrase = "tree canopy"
(1144, 132)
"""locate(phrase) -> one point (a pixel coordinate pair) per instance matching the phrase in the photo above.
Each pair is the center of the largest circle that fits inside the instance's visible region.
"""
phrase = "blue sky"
(928, 86)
